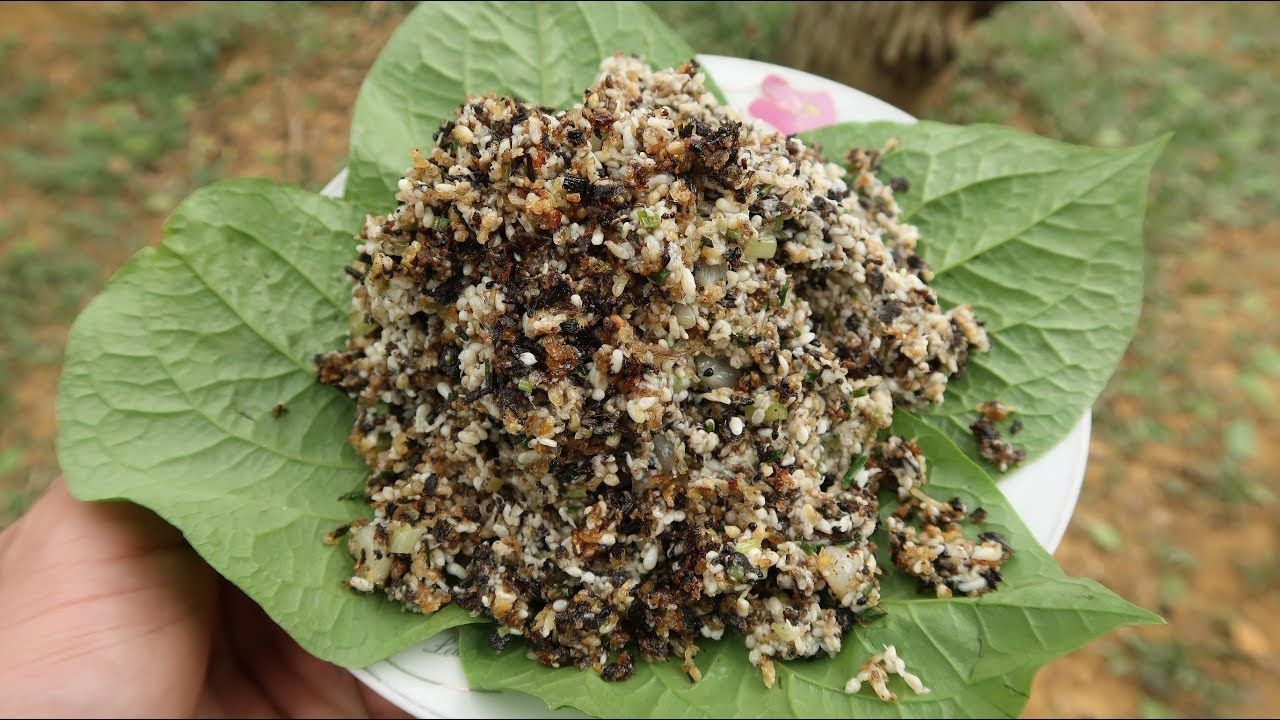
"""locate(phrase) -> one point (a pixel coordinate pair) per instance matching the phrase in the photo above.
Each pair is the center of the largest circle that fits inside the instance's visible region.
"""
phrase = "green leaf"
(166, 399)
(543, 53)
(977, 655)
(1044, 239)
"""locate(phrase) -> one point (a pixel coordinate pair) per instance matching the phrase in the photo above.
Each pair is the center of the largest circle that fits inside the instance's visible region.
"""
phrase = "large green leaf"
(1044, 239)
(977, 655)
(171, 377)
(542, 52)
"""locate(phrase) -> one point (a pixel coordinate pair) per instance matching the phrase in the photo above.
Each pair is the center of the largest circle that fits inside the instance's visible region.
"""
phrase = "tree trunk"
(896, 51)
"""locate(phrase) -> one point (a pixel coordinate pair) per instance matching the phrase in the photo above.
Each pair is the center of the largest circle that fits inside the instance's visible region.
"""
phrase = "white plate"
(427, 681)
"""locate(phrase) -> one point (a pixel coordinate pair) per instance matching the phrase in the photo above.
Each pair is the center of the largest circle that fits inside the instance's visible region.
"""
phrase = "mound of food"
(623, 374)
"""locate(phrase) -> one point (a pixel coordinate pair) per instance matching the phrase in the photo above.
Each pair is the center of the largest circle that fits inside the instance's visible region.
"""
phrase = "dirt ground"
(1232, 621)
(1177, 512)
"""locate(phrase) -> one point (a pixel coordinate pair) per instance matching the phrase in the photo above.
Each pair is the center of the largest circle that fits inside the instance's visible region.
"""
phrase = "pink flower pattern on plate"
(791, 110)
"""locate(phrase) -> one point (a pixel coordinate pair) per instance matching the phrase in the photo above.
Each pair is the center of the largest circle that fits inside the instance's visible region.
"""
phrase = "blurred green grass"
(752, 30)
(132, 110)
(92, 159)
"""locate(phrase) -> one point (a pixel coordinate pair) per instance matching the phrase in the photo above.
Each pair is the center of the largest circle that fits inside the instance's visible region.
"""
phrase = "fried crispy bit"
(995, 449)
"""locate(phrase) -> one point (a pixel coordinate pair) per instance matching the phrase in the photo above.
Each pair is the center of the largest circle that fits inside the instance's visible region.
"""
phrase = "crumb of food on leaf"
(991, 446)
(768, 673)
(689, 667)
(334, 536)
(994, 410)
(926, 540)
(876, 671)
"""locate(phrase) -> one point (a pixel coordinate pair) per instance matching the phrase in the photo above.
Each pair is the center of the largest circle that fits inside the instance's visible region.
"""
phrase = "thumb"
(104, 611)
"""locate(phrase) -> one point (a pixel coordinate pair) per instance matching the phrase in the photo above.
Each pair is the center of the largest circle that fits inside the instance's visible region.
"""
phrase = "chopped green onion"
(772, 413)
(860, 392)
(831, 443)
(782, 294)
(576, 493)
(360, 325)
(761, 249)
(382, 409)
(648, 219)
(735, 573)
(772, 456)
(776, 225)
(858, 463)
(677, 384)
(785, 631)
(404, 539)
(809, 549)
(739, 340)
(870, 615)
(525, 385)
(733, 235)
(709, 425)
(440, 223)
(811, 376)
(660, 276)
(746, 546)
(775, 412)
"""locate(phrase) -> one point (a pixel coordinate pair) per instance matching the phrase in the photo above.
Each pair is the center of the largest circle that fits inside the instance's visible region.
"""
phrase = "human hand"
(106, 611)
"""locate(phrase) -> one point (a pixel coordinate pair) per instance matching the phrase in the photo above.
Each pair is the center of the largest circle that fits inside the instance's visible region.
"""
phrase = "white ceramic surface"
(427, 680)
